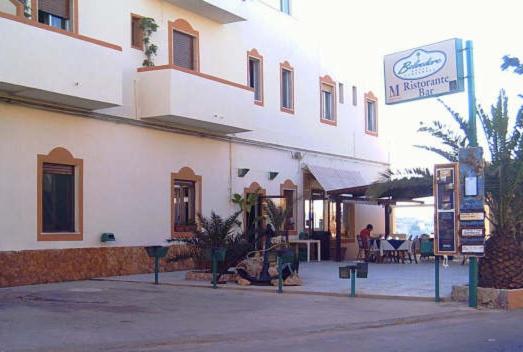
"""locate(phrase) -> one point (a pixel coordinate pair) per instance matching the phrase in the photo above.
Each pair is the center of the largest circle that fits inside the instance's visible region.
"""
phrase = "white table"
(308, 243)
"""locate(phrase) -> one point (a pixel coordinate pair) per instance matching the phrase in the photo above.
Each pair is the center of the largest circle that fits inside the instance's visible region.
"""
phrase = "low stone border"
(203, 275)
(491, 297)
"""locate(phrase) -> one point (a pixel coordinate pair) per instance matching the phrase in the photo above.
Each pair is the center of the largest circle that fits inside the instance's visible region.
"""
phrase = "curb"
(274, 290)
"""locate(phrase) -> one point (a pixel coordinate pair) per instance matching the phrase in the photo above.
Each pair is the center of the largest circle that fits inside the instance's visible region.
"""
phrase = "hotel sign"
(424, 72)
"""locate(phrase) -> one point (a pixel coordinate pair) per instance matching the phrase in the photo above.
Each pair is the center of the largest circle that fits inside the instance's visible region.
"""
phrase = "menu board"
(445, 195)
(472, 201)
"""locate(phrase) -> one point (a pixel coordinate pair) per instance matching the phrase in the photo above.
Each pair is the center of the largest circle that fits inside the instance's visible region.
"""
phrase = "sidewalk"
(387, 280)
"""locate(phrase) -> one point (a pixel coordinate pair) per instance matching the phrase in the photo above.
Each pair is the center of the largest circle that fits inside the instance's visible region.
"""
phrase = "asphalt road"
(118, 316)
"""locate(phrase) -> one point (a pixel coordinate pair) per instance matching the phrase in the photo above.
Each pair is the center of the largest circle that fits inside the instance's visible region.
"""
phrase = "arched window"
(184, 45)
(59, 196)
(186, 200)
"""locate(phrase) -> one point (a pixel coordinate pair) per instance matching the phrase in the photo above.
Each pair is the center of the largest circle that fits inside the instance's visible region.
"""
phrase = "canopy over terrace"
(385, 193)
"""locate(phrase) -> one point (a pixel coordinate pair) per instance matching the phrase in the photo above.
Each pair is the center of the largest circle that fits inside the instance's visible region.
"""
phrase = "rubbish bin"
(324, 237)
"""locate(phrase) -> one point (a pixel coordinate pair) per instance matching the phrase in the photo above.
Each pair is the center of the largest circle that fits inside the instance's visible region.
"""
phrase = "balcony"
(53, 66)
(175, 97)
(221, 11)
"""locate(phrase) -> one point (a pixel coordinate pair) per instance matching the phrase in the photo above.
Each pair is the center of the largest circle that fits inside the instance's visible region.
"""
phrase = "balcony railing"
(176, 97)
(42, 63)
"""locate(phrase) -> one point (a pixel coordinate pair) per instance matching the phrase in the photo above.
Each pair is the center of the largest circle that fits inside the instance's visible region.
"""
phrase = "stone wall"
(491, 297)
(55, 265)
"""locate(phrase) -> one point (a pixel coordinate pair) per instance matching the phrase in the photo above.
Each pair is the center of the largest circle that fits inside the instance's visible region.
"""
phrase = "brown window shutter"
(59, 8)
(183, 50)
(58, 169)
(137, 33)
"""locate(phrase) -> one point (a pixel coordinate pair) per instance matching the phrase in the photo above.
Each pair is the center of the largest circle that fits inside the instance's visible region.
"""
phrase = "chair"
(362, 250)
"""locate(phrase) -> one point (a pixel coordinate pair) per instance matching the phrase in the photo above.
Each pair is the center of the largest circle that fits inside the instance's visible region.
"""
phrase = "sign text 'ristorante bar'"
(424, 72)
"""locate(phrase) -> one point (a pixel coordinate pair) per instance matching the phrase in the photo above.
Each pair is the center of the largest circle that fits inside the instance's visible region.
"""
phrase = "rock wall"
(56, 265)
(491, 297)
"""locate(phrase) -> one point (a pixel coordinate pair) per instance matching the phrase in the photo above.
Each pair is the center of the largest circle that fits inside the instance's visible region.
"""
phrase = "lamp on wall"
(272, 175)
(242, 172)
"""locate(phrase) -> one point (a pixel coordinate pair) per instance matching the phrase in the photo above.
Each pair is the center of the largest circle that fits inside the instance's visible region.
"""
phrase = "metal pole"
(436, 273)
(338, 230)
(156, 269)
(213, 269)
(280, 275)
(473, 139)
(352, 282)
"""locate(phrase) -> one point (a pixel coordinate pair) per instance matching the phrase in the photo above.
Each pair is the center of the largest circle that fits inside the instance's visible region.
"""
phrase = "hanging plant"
(149, 26)
(27, 9)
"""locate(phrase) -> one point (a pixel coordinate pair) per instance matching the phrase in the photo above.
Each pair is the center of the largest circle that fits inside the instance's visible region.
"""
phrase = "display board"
(472, 201)
(446, 206)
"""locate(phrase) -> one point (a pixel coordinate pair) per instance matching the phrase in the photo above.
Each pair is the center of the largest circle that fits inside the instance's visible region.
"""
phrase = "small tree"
(149, 26)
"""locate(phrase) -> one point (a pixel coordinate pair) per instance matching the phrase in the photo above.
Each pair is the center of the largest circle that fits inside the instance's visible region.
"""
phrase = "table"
(308, 243)
(391, 246)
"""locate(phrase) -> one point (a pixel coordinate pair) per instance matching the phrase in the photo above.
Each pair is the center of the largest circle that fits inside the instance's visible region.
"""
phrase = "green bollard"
(473, 282)
(436, 279)
(280, 275)
(353, 282)
(214, 268)
(156, 269)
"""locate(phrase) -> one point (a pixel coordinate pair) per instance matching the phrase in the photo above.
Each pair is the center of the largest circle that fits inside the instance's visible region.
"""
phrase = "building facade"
(239, 100)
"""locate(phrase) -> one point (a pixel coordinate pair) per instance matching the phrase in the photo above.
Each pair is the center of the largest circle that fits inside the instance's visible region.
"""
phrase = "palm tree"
(501, 266)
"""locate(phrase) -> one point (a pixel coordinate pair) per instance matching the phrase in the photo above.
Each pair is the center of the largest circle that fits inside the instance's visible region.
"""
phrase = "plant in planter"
(149, 26)
(277, 216)
(218, 233)
(247, 205)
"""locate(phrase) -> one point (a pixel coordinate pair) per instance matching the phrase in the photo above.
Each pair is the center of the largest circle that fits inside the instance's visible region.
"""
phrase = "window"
(136, 32)
(341, 93)
(287, 87)
(285, 6)
(55, 13)
(328, 100)
(185, 200)
(371, 120)
(354, 95)
(60, 196)
(183, 45)
(183, 50)
(255, 75)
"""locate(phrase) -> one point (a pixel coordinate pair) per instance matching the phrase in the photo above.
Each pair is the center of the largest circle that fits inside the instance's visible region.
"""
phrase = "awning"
(332, 179)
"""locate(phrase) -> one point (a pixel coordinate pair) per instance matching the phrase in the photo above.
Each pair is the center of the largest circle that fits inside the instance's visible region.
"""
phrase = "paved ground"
(120, 316)
(384, 279)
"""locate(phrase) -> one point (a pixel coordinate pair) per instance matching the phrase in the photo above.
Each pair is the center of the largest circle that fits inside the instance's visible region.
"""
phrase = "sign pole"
(473, 139)
(436, 272)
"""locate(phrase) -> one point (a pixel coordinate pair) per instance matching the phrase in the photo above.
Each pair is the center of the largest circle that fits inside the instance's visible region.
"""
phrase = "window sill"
(328, 122)
(60, 236)
(258, 102)
(137, 47)
(371, 133)
(287, 110)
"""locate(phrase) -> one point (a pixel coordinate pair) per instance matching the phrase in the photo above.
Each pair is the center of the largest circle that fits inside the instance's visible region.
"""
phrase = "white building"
(91, 142)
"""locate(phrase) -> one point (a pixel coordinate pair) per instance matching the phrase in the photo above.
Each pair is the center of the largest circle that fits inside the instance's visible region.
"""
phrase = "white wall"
(127, 175)
(223, 49)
